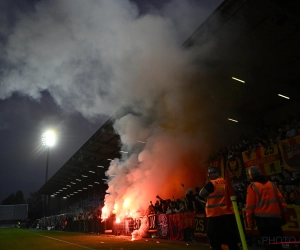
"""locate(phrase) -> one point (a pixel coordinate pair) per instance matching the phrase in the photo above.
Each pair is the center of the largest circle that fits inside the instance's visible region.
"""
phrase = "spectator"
(281, 135)
(189, 198)
(298, 127)
(150, 210)
(290, 131)
(198, 202)
(169, 209)
(296, 188)
(180, 206)
(288, 177)
(157, 206)
(288, 194)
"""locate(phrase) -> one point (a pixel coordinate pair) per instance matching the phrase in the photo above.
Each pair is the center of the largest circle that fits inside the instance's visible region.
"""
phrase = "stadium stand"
(264, 41)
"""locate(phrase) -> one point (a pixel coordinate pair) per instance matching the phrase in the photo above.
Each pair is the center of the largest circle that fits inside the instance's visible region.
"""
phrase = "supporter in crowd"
(288, 177)
(240, 193)
(180, 207)
(157, 206)
(281, 135)
(189, 198)
(169, 209)
(279, 179)
(296, 189)
(288, 194)
(150, 210)
(198, 202)
(298, 127)
(290, 131)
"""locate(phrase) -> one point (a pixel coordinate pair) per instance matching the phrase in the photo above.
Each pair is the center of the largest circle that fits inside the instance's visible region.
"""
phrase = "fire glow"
(126, 203)
(106, 211)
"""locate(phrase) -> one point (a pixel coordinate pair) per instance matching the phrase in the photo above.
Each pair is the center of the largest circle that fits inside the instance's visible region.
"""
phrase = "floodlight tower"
(48, 139)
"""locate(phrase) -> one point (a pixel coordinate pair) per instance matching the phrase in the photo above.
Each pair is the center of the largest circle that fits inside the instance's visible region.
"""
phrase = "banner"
(136, 223)
(152, 225)
(290, 151)
(236, 168)
(162, 226)
(175, 227)
(200, 225)
(218, 163)
(266, 158)
(171, 226)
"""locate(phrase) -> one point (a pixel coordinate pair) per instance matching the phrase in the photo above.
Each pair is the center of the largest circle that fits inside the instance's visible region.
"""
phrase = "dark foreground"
(14, 238)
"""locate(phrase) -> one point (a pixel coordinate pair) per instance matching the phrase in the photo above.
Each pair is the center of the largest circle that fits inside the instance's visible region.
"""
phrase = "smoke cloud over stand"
(96, 57)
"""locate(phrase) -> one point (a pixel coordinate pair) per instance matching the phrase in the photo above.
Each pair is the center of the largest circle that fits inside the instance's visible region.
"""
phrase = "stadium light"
(48, 140)
(286, 97)
(229, 119)
(239, 80)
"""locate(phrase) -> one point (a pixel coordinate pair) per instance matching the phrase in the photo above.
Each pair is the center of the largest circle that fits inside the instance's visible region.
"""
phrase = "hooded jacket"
(264, 200)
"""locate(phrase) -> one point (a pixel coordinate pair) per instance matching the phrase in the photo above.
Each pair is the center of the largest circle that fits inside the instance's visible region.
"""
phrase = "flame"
(104, 214)
(126, 203)
(118, 220)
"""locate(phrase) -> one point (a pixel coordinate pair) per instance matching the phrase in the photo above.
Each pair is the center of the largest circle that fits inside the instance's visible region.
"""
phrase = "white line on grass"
(65, 242)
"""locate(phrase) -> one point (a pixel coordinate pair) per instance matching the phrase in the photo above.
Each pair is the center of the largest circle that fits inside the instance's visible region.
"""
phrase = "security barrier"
(172, 226)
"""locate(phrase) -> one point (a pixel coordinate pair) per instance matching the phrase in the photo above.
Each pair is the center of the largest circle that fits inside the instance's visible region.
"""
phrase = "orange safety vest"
(215, 202)
(263, 200)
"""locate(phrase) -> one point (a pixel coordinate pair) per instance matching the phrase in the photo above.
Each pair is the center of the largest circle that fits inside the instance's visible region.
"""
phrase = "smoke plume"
(96, 57)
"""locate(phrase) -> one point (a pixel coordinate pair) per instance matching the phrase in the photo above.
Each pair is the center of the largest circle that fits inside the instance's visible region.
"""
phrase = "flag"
(228, 190)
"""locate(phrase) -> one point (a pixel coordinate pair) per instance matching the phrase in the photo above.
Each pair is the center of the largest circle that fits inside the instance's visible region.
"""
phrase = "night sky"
(69, 65)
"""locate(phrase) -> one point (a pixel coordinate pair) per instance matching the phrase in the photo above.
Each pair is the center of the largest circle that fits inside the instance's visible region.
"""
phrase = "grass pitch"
(22, 239)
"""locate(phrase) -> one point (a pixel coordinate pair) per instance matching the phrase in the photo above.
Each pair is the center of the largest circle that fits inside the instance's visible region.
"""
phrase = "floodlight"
(232, 120)
(239, 80)
(286, 97)
(49, 138)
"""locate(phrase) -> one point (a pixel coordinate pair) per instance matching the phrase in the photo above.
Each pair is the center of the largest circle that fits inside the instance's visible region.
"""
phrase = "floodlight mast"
(47, 164)
(48, 139)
